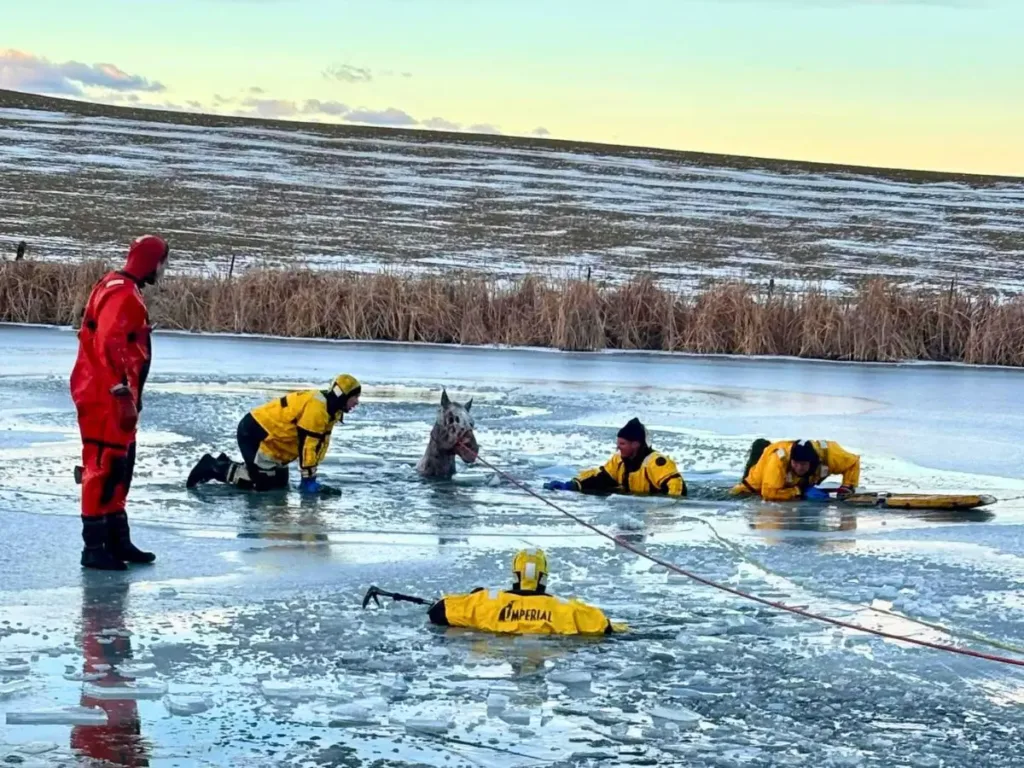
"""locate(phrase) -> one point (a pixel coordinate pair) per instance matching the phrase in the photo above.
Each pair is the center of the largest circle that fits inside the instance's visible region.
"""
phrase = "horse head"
(454, 429)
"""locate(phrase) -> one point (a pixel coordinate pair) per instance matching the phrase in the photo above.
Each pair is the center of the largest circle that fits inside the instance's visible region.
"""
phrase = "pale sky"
(934, 84)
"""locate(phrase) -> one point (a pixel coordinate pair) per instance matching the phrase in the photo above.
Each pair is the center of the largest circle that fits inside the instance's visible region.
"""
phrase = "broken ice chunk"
(59, 716)
(496, 702)
(13, 688)
(427, 725)
(150, 690)
(394, 687)
(136, 670)
(350, 714)
(681, 716)
(79, 677)
(632, 673)
(280, 689)
(569, 676)
(516, 716)
(186, 705)
(15, 667)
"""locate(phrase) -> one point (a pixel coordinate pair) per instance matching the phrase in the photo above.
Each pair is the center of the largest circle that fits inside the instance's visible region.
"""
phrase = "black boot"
(202, 472)
(95, 534)
(222, 468)
(119, 541)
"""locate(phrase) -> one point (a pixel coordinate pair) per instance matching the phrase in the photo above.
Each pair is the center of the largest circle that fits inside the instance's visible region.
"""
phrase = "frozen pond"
(246, 643)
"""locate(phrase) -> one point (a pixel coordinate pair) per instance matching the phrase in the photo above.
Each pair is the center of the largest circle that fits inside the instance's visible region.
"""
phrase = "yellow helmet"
(345, 386)
(530, 567)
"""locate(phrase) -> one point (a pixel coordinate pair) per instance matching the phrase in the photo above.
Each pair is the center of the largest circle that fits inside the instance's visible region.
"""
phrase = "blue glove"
(559, 485)
(312, 485)
(816, 494)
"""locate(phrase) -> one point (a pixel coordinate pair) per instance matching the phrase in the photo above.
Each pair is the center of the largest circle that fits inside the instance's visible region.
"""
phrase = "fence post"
(231, 269)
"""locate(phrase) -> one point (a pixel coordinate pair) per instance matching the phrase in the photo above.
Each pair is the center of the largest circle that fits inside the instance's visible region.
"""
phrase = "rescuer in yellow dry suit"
(271, 436)
(790, 470)
(526, 609)
(634, 468)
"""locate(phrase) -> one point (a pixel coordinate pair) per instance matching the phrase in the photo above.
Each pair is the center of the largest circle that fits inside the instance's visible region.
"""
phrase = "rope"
(746, 596)
(952, 632)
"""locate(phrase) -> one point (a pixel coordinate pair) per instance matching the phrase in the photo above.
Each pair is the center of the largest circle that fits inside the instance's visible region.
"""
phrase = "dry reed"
(880, 323)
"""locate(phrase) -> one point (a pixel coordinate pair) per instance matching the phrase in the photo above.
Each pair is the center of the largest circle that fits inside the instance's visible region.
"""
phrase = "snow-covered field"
(248, 644)
(73, 185)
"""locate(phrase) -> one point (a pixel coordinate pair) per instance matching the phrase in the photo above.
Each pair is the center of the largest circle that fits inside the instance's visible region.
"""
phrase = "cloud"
(22, 71)
(440, 124)
(389, 116)
(540, 131)
(493, 130)
(348, 73)
(271, 108)
(334, 108)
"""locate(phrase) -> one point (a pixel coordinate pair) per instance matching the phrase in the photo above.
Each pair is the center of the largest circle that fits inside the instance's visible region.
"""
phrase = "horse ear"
(469, 404)
(445, 402)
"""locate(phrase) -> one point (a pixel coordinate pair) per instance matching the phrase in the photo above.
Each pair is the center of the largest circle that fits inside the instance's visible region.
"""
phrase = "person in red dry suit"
(107, 647)
(114, 354)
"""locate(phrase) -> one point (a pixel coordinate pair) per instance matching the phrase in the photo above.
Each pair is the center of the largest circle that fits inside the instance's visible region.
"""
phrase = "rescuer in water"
(634, 468)
(114, 356)
(526, 609)
(270, 437)
(791, 469)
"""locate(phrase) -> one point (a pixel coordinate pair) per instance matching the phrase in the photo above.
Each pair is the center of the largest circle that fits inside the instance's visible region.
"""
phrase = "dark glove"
(560, 485)
(816, 494)
(845, 490)
(127, 413)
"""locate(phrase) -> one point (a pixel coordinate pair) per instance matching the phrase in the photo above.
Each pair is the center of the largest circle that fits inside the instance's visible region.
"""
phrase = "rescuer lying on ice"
(270, 437)
(114, 355)
(790, 470)
(634, 468)
(526, 609)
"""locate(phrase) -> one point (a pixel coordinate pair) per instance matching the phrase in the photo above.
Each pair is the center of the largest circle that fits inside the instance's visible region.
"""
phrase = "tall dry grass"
(880, 323)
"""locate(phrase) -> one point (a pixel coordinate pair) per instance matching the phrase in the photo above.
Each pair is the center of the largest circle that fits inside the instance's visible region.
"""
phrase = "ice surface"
(58, 716)
(275, 631)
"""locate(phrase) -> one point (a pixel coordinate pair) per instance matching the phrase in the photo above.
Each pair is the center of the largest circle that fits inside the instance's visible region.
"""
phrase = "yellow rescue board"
(918, 500)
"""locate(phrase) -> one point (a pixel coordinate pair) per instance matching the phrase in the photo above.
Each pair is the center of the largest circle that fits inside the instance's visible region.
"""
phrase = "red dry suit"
(114, 353)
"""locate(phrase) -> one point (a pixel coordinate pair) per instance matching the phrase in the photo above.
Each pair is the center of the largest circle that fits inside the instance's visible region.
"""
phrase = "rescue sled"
(886, 500)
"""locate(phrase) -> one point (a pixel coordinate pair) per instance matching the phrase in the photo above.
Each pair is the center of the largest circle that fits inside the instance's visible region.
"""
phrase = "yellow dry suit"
(299, 425)
(649, 472)
(526, 609)
(520, 613)
(772, 478)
